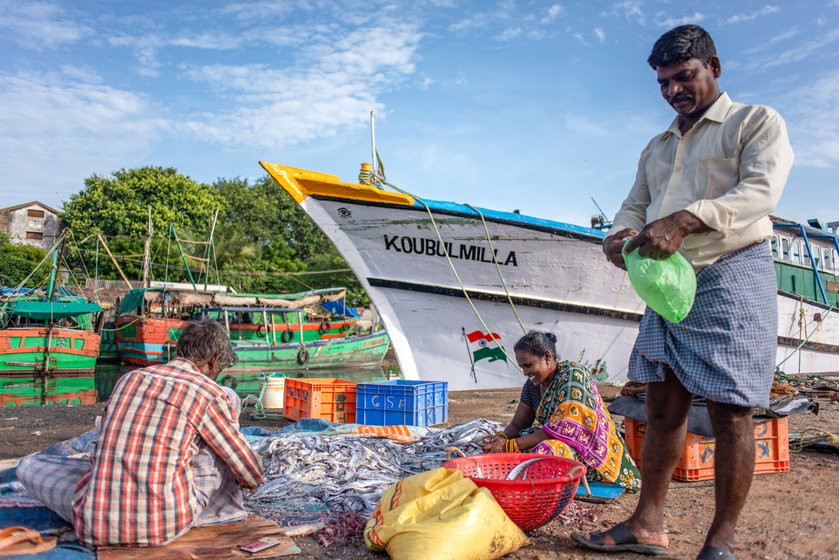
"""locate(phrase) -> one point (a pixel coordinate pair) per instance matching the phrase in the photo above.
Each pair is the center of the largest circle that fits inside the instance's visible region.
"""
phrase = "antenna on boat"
(210, 248)
(601, 221)
(147, 253)
(373, 159)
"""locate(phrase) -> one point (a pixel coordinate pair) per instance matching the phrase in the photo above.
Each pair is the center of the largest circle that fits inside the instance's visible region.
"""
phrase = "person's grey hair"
(205, 339)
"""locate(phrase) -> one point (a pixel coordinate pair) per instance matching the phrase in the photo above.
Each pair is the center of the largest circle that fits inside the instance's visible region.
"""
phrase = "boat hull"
(37, 349)
(456, 286)
(39, 366)
(147, 341)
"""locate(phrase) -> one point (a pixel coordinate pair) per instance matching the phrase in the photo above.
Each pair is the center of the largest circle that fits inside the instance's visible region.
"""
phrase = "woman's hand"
(494, 444)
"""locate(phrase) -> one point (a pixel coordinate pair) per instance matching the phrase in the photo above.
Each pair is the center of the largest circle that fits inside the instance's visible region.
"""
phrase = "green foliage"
(262, 237)
(17, 261)
(118, 208)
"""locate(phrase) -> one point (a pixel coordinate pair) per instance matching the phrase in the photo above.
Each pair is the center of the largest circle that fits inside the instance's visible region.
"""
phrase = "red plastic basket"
(549, 488)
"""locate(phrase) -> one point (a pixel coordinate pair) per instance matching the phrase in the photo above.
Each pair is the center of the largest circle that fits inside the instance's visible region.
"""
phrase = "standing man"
(704, 187)
(170, 455)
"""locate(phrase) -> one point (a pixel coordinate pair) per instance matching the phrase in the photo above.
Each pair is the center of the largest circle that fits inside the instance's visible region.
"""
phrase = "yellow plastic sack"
(440, 515)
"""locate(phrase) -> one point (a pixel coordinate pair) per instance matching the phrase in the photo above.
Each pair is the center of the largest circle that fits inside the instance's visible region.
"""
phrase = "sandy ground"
(793, 515)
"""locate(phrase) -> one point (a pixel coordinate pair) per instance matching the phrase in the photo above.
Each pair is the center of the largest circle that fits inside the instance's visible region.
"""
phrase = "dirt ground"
(793, 515)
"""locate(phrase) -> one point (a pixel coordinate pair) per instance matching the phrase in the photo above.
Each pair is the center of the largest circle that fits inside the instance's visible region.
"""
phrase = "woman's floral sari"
(572, 413)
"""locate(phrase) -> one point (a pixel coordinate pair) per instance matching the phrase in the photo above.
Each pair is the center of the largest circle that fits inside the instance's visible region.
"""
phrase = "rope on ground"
(813, 436)
(510, 359)
(258, 409)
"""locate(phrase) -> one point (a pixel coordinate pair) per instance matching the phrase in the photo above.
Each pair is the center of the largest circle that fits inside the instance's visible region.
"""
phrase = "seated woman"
(572, 420)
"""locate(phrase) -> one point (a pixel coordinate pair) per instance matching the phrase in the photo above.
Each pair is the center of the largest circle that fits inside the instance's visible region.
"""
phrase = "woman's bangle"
(502, 435)
(511, 446)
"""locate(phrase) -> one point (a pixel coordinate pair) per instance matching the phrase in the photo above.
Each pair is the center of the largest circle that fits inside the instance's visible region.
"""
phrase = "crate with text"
(415, 403)
(697, 461)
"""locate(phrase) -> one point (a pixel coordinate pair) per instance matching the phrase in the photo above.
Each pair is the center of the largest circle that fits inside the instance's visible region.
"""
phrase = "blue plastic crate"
(390, 403)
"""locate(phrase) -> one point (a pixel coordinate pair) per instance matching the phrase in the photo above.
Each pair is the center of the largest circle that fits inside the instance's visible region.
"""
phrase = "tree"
(118, 207)
(264, 242)
(17, 261)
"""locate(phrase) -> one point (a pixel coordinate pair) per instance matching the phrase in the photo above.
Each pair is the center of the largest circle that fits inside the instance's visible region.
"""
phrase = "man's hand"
(663, 237)
(613, 246)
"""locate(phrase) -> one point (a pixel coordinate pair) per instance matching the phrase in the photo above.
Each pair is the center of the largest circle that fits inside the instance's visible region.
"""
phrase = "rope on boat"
(498, 268)
(510, 359)
(806, 340)
(121, 327)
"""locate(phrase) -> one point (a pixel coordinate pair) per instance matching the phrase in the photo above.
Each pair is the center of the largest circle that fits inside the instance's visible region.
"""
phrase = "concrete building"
(33, 223)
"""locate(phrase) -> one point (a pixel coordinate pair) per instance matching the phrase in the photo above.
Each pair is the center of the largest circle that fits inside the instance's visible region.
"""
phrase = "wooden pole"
(113, 260)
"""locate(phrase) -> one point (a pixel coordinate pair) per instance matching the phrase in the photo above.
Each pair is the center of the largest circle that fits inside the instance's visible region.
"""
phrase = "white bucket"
(272, 398)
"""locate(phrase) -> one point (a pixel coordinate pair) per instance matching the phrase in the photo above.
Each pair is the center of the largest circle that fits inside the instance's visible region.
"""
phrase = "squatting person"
(572, 420)
(169, 455)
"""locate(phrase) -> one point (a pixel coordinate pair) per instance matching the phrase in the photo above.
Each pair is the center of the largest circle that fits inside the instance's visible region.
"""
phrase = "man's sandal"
(624, 541)
(709, 552)
(17, 541)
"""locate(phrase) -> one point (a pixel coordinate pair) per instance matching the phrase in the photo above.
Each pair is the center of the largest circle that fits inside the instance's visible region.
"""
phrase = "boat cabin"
(806, 260)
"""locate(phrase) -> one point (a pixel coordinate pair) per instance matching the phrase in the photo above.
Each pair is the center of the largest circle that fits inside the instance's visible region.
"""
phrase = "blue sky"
(513, 104)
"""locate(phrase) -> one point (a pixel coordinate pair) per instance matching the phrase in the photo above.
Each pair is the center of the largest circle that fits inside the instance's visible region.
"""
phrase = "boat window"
(775, 254)
(817, 256)
(827, 262)
(805, 254)
(785, 249)
(796, 252)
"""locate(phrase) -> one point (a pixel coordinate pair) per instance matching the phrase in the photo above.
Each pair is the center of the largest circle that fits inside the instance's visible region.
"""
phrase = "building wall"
(32, 224)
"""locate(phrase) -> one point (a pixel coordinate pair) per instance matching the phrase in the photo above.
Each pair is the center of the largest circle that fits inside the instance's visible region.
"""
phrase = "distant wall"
(31, 224)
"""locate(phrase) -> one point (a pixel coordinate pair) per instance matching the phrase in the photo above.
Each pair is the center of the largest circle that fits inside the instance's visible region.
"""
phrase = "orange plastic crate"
(328, 398)
(697, 461)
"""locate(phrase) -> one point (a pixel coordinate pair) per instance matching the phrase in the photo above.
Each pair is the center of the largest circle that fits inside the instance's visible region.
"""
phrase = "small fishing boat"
(286, 332)
(456, 285)
(48, 344)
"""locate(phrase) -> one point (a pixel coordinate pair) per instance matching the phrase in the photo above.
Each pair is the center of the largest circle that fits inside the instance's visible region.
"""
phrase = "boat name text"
(435, 248)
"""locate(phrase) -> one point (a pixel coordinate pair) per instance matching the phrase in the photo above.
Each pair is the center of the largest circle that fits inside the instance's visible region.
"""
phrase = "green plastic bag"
(668, 285)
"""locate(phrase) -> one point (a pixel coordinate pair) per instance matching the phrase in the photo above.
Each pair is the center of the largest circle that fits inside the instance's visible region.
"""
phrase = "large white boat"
(456, 285)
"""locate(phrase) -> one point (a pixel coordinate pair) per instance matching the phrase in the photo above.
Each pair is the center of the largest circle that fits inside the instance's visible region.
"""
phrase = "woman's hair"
(537, 343)
(680, 44)
(205, 339)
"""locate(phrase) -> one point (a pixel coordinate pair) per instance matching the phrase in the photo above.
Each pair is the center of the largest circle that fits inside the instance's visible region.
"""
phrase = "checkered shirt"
(141, 489)
(725, 348)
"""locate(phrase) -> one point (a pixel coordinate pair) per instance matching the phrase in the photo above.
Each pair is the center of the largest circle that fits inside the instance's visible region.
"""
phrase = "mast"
(147, 253)
(209, 248)
(56, 253)
(373, 143)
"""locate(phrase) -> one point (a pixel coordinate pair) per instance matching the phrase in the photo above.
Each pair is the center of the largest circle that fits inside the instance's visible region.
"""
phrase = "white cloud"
(696, 17)
(601, 34)
(510, 34)
(38, 25)
(56, 129)
(553, 12)
(147, 47)
(334, 84)
(579, 36)
(812, 121)
(812, 48)
(821, 21)
(764, 11)
(628, 9)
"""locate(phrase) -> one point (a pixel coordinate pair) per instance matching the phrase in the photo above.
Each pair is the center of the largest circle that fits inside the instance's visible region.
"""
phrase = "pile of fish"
(350, 473)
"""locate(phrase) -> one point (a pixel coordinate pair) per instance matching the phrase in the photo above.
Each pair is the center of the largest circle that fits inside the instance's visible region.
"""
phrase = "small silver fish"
(521, 469)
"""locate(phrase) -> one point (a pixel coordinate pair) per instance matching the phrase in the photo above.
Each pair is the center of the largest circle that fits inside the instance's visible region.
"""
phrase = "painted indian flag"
(485, 346)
